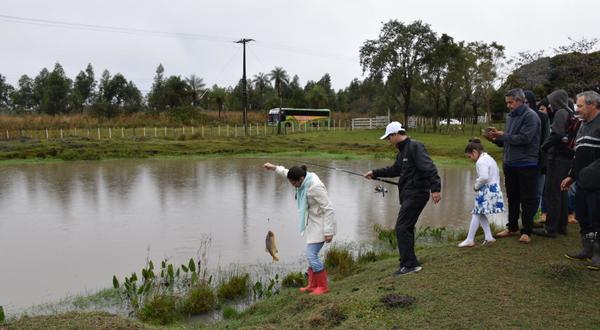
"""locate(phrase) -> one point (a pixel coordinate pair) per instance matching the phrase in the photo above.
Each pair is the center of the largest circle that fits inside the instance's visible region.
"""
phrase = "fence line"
(106, 133)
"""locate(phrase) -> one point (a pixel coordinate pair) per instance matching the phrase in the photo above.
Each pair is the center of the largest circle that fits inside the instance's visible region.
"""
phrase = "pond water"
(68, 228)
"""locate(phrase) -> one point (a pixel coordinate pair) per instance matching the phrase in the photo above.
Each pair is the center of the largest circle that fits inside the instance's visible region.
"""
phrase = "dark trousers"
(587, 204)
(521, 191)
(556, 200)
(412, 205)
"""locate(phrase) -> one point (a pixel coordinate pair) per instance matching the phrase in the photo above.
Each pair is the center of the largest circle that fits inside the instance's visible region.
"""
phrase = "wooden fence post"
(98, 133)
(47, 135)
(110, 133)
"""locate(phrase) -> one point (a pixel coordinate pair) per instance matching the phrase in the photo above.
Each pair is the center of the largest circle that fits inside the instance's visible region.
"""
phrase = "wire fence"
(165, 132)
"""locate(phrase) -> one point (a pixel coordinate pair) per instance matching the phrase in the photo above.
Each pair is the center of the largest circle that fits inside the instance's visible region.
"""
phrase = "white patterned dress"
(489, 198)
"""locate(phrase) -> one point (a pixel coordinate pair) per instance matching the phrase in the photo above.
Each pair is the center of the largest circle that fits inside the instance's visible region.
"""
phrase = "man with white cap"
(418, 178)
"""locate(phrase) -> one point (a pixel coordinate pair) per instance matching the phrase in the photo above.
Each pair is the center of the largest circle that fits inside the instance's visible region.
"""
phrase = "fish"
(271, 247)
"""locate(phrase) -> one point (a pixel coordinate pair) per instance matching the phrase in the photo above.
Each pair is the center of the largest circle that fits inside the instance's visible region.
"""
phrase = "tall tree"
(55, 94)
(23, 97)
(84, 88)
(156, 97)
(5, 91)
(399, 55)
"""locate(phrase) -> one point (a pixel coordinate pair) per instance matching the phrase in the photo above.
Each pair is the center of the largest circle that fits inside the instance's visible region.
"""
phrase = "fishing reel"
(380, 189)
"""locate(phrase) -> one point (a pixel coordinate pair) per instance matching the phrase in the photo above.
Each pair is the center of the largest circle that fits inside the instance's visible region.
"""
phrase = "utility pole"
(245, 89)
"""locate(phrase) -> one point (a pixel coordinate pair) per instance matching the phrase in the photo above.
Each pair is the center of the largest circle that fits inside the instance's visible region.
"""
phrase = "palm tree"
(280, 78)
(261, 82)
(196, 85)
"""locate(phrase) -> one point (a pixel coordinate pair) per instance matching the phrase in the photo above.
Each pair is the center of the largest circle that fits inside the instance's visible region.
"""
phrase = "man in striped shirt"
(585, 170)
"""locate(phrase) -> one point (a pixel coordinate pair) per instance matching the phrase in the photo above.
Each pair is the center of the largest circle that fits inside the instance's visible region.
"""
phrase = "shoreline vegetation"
(445, 149)
(458, 288)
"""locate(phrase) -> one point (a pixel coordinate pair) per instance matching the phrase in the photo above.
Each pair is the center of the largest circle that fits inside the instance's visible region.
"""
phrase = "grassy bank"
(505, 285)
(444, 148)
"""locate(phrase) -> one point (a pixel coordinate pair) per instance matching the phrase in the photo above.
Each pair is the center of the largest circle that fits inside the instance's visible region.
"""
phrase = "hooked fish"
(271, 246)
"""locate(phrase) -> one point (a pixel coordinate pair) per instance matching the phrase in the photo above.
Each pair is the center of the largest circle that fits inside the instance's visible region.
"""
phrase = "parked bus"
(296, 116)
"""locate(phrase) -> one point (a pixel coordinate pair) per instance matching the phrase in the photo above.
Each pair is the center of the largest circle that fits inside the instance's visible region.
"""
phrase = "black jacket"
(414, 167)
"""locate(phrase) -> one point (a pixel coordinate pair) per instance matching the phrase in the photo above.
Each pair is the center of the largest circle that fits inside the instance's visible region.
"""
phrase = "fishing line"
(344, 170)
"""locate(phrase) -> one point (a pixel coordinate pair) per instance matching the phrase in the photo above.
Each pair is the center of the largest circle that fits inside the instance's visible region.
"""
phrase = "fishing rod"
(349, 172)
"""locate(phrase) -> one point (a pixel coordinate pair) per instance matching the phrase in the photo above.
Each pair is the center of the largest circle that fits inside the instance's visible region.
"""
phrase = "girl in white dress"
(488, 199)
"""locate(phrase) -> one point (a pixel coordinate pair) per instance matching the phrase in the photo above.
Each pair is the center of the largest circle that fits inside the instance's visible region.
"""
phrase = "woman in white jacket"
(316, 220)
(489, 198)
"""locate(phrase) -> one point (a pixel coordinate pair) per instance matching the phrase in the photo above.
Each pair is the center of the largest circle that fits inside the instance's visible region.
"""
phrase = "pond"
(67, 228)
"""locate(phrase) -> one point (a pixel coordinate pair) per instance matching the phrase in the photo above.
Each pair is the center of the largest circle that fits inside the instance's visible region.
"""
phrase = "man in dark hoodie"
(521, 143)
(586, 171)
(418, 178)
(558, 160)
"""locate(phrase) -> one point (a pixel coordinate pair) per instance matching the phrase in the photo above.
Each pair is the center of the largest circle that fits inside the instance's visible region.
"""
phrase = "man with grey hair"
(521, 143)
(585, 170)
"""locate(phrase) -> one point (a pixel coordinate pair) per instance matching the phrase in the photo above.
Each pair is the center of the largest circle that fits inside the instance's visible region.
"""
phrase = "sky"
(308, 38)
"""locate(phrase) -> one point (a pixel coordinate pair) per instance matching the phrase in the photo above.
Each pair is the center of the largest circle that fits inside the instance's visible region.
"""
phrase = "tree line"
(409, 69)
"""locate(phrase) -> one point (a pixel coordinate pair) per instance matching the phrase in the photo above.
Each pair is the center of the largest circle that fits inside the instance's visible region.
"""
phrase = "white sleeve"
(483, 173)
(282, 171)
(319, 194)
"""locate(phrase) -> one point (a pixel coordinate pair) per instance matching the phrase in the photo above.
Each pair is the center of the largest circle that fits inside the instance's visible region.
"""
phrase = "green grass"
(446, 149)
(505, 285)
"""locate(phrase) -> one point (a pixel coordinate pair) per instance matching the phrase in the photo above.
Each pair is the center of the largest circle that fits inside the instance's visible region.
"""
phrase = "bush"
(230, 312)
(236, 286)
(339, 261)
(159, 309)
(293, 280)
(68, 155)
(199, 299)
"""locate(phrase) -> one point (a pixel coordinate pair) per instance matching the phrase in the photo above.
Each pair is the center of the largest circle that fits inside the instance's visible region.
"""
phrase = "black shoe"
(543, 232)
(406, 270)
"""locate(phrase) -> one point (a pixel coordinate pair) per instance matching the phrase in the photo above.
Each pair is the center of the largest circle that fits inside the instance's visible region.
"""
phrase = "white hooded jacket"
(319, 218)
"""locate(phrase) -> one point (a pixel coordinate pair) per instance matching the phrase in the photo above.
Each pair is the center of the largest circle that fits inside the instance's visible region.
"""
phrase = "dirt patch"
(394, 300)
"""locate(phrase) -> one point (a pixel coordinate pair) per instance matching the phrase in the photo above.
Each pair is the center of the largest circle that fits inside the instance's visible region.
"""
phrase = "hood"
(559, 99)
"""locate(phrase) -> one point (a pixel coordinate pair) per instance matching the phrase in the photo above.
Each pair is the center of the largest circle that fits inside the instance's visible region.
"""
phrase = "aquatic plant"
(199, 299)
(293, 280)
(160, 308)
(339, 261)
(229, 312)
(234, 287)
(268, 289)
(386, 235)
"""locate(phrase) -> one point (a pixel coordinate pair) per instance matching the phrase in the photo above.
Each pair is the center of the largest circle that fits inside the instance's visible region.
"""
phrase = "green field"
(444, 148)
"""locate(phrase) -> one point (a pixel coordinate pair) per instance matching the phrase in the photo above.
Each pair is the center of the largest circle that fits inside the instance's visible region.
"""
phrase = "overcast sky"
(308, 38)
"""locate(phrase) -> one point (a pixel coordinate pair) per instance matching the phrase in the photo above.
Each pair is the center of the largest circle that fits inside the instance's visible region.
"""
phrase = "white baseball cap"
(392, 128)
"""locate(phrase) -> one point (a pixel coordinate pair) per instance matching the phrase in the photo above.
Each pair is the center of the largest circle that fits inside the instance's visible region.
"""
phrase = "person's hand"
(328, 238)
(566, 183)
(496, 134)
(269, 166)
(436, 197)
(368, 175)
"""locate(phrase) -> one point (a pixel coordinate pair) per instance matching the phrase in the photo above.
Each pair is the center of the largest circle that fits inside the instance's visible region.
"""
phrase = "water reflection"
(77, 224)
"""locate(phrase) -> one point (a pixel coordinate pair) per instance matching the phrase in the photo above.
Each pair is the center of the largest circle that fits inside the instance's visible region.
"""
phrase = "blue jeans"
(312, 255)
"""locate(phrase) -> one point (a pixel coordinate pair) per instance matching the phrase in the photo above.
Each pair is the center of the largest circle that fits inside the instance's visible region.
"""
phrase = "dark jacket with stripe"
(416, 171)
(586, 164)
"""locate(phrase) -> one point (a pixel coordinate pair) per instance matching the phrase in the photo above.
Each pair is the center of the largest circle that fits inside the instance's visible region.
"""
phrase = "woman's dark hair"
(474, 144)
(297, 172)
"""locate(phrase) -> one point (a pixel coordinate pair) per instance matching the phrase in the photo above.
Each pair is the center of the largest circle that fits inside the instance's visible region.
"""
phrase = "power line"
(112, 29)
(156, 33)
